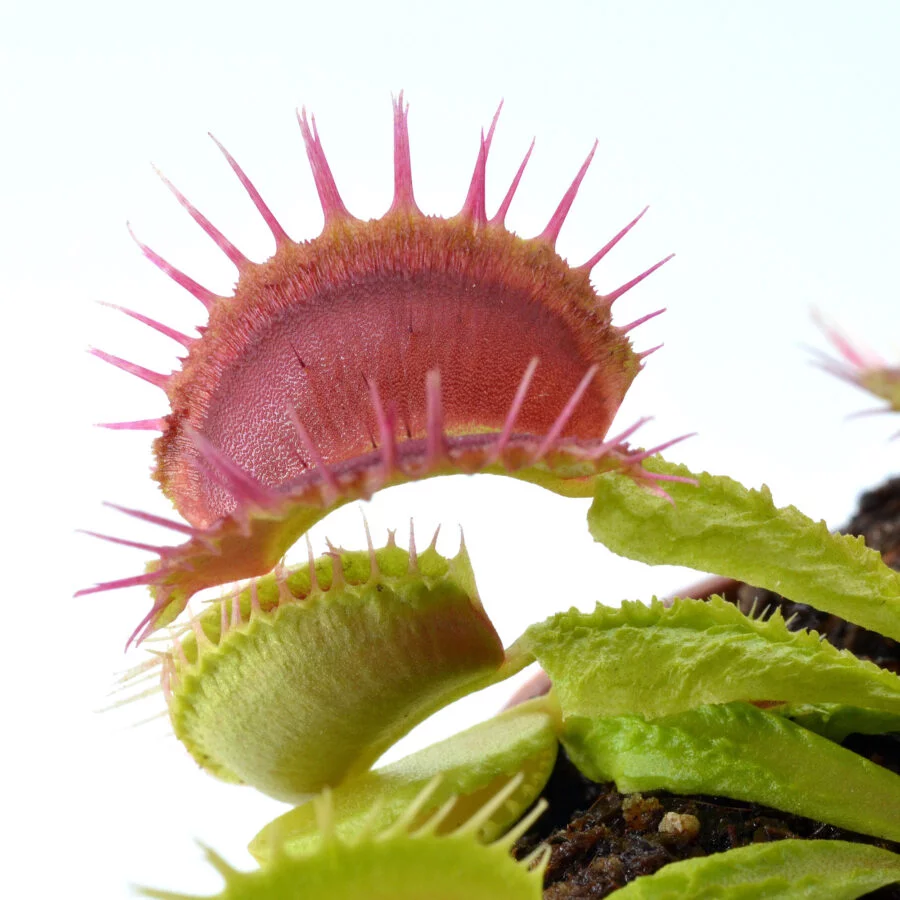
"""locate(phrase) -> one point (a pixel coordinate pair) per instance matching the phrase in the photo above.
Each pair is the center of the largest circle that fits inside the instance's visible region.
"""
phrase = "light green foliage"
(739, 751)
(656, 660)
(471, 766)
(311, 691)
(722, 527)
(836, 720)
(396, 864)
(782, 870)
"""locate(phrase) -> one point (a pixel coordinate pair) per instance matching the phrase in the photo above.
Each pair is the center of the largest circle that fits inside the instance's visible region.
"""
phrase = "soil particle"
(680, 825)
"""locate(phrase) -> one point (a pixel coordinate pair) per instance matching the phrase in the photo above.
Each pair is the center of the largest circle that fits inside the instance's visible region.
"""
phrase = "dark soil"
(611, 838)
(601, 840)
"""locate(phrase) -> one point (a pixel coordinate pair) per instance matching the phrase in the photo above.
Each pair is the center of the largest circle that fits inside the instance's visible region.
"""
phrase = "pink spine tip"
(177, 336)
(500, 216)
(663, 495)
(462, 541)
(493, 128)
(514, 410)
(624, 329)
(155, 378)
(646, 454)
(262, 208)
(857, 357)
(136, 425)
(413, 555)
(152, 519)
(313, 450)
(404, 201)
(373, 562)
(385, 420)
(645, 353)
(628, 432)
(133, 581)
(332, 205)
(616, 443)
(675, 479)
(217, 237)
(434, 420)
(137, 545)
(474, 207)
(204, 295)
(145, 626)
(551, 232)
(245, 488)
(586, 267)
(614, 295)
(563, 418)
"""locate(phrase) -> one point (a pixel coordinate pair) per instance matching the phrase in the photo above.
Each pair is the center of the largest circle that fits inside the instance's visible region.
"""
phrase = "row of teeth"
(175, 660)
(331, 483)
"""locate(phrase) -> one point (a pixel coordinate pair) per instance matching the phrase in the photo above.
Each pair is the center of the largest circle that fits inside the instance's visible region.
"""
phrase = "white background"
(763, 134)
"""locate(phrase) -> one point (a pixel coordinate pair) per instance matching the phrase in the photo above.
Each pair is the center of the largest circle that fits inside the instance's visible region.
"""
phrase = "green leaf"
(836, 721)
(722, 527)
(471, 766)
(739, 751)
(782, 870)
(656, 660)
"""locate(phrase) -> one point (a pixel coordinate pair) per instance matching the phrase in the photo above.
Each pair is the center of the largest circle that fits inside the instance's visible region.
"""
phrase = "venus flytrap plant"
(410, 347)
